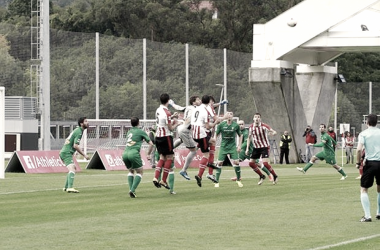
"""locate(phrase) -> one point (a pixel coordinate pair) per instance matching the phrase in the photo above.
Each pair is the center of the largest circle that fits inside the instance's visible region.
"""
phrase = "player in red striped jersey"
(200, 124)
(164, 140)
(259, 132)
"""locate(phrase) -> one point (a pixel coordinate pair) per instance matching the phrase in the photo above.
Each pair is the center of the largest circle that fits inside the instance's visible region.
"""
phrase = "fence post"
(2, 132)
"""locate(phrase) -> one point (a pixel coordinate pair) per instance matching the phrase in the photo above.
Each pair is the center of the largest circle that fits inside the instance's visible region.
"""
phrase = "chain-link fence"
(121, 77)
(354, 101)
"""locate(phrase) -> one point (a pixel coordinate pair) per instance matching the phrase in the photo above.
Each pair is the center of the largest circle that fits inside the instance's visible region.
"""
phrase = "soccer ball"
(292, 22)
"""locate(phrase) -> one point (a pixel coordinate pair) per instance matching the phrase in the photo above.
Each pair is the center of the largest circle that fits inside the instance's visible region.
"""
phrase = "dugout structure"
(21, 124)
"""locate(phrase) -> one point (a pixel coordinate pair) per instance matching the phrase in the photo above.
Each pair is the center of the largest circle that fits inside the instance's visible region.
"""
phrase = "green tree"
(360, 67)
(14, 79)
(19, 8)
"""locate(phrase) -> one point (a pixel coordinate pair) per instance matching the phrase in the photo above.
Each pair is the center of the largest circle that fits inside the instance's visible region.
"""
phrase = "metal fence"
(121, 75)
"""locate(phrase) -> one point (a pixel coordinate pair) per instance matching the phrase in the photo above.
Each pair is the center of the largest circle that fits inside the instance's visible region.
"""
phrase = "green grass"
(300, 212)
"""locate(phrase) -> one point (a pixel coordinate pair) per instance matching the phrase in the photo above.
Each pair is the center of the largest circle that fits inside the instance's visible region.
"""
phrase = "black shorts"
(209, 135)
(203, 144)
(257, 152)
(227, 162)
(165, 145)
(371, 171)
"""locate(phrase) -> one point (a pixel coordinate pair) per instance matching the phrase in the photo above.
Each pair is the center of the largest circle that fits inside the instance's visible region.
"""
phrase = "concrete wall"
(297, 118)
(268, 90)
(317, 92)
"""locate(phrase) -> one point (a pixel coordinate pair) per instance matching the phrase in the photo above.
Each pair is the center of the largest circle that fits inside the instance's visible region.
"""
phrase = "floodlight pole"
(97, 75)
(225, 79)
(144, 78)
(187, 73)
(336, 113)
(335, 106)
(45, 76)
(221, 97)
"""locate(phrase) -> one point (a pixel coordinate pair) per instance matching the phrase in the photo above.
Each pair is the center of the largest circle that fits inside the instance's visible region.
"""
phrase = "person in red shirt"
(311, 138)
(349, 142)
(332, 134)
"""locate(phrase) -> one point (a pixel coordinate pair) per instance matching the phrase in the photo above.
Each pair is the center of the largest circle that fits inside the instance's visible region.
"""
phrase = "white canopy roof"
(325, 29)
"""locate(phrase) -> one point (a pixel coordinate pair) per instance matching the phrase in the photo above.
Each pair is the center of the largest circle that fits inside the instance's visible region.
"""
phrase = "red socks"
(255, 168)
(157, 172)
(202, 166)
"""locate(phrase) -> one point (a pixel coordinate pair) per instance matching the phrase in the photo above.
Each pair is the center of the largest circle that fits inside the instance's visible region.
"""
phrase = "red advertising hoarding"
(112, 160)
(37, 162)
(181, 154)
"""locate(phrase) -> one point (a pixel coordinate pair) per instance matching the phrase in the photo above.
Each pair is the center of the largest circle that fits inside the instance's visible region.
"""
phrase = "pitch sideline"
(346, 242)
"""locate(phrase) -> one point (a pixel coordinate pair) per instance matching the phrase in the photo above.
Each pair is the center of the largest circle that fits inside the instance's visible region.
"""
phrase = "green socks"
(307, 166)
(237, 171)
(218, 173)
(67, 181)
(136, 182)
(70, 179)
(171, 181)
(342, 172)
(265, 170)
(130, 180)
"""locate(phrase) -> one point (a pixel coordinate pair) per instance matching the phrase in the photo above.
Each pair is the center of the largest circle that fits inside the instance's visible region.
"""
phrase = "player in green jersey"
(69, 148)
(229, 130)
(131, 155)
(327, 154)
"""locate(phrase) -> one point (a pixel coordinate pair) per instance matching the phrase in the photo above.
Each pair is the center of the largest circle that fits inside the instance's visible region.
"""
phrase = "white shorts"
(185, 134)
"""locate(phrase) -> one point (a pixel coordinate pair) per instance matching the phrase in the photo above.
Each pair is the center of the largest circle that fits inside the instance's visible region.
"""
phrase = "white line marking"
(347, 242)
(55, 189)
(147, 179)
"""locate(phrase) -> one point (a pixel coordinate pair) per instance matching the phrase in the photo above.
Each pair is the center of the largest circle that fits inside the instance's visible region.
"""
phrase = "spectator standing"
(310, 139)
(349, 142)
(285, 142)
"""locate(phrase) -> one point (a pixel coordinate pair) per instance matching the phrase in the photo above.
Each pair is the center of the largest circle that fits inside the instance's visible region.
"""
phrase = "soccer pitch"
(312, 211)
